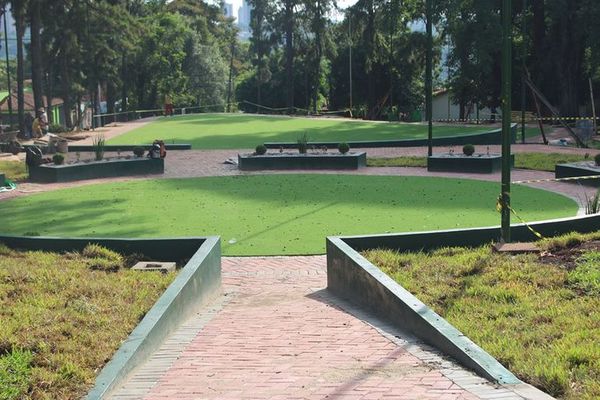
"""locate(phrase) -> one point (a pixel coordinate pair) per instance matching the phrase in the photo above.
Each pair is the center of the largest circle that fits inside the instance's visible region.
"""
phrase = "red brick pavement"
(281, 335)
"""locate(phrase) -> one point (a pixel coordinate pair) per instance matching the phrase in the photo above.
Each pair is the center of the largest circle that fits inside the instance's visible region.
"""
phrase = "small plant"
(56, 128)
(592, 204)
(597, 159)
(468, 150)
(343, 147)
(58, 159)
(260, 150)
(98, 145)
(101, 258)
(138, 151)
(78, 155)
(303, 143)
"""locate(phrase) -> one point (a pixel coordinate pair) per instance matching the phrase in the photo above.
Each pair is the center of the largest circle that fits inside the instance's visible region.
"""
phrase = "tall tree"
(261, 41)
(19, 9)
(36, 52)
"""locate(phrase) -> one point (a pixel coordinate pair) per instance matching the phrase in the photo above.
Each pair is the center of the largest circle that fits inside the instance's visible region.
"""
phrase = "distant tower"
(228, 10)
(244, 19)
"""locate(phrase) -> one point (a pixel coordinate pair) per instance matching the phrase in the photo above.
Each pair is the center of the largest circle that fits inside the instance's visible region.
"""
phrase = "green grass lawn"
(246, 131)
(272, 214)
(63, 318)
(539, 318)
(14, 170)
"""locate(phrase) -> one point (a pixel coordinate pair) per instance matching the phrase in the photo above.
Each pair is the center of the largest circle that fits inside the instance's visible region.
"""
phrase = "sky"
(238, 3)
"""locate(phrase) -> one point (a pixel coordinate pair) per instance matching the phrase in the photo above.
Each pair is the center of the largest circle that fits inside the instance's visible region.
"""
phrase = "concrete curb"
(197, 283)
(351, 276)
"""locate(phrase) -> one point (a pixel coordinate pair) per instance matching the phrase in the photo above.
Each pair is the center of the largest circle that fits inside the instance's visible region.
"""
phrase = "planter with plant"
(582, 169)
(303, 143)
(260, 150)
(138, 151)
(468, 150)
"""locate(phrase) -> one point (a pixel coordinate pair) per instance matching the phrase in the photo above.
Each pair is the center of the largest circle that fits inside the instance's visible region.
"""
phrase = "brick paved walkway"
(276, 333)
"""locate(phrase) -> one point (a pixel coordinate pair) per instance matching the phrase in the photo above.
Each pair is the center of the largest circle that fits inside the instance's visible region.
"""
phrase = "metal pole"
(350, 56)
(593, 107)
(523, 68)
(506, 109)
(429, 77)
(10, 110)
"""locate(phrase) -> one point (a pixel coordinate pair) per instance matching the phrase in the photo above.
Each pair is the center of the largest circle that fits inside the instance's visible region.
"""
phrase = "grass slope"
(14, 170)
(540, 320)
(62, 319)
(239, 131)
(272, 214)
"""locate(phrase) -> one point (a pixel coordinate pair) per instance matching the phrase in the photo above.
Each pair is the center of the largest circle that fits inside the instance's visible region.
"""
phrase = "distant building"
(243, 20)
(443, 108)
(228, 10)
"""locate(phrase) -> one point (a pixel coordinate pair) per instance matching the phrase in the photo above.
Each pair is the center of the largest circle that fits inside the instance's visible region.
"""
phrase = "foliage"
(139, 151)
(302, 209)
(538, 319)
(407, 161)
(592, 204)
(597, 159)
(15, 373)
(303, 143)
(343, 147)
(260, 149)
(14, 170)
(92, 312)
(98, 146)
(468, 149)
(56, 128)
(58, 159)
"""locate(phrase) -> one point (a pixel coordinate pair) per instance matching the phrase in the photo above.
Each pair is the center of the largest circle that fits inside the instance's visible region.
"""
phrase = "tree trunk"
(36, 54)
(289, 53)
(318, 36)
(370, 38)
(66, 90)
(20, 27)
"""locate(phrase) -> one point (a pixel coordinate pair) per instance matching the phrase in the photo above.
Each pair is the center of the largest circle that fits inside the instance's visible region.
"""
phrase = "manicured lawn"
(539, 316)
(14, 170)
(272, 214)
(535, 161)
(246, 131)
(64, 316)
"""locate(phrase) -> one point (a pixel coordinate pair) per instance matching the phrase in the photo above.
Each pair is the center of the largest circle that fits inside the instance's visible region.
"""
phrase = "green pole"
(429, 77)
(523, 66)
(10, 110)
(506, 108)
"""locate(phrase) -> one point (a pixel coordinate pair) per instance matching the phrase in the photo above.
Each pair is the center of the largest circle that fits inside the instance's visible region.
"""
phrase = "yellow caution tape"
(500, 205)
(572, 178)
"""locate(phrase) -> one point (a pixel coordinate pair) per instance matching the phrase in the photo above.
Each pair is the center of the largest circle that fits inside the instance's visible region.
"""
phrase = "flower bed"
(477, 163)
(108, 168)
(249, 162)
(579, 169)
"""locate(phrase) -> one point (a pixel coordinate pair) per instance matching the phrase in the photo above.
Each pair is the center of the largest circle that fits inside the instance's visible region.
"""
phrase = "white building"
(243, 19)
(228, 10)
(443, 108)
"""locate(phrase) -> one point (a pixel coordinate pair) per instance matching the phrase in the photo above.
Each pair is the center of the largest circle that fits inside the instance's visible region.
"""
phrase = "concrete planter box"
(584, 168)
(2, 179)
(249, 162)
(49, 173)
(477, 163)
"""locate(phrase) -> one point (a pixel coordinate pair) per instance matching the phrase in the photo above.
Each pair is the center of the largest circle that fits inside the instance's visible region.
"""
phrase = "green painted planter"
(2, 179)
(477, 163)
(50, 173)
(250, 162)
(579, 169)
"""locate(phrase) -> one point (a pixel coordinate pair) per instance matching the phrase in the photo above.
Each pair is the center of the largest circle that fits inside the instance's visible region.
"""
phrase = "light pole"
(506, 108)
(429, 76)
(523, 65)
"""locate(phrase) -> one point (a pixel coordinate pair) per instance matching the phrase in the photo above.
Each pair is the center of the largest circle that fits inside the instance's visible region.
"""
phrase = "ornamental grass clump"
(98, 145)
(101, 258)
(303, 143)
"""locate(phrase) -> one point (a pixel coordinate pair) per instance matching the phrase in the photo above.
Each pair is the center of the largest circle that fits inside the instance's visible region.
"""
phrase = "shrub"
(597, 159)
(303, 143)
(56, 128)
(468, 149)
(343, 147)
(58, 159)
(260, 149)
(98, 145)
(138, 151)
(93, 250)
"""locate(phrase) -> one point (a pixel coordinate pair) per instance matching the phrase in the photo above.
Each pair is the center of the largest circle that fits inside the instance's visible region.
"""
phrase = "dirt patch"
(566, 257)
